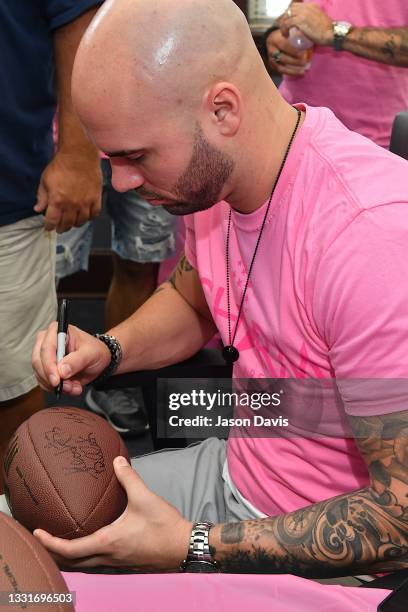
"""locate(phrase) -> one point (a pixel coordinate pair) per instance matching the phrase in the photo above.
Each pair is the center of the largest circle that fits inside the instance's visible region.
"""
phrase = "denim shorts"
(139, 232)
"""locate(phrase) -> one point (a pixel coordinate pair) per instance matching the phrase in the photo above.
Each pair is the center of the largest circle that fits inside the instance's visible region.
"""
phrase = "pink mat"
(216, 592)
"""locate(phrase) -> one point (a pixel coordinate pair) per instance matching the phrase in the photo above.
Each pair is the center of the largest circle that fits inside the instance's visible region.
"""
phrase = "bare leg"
(132, 283)
(13, 413)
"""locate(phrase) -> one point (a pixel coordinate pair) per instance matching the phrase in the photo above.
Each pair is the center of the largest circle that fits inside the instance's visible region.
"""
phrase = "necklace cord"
(231, 340)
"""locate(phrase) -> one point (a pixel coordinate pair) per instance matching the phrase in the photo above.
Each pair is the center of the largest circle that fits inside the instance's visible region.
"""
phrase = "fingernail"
(65, 370)
(53, 380)
(121, 461)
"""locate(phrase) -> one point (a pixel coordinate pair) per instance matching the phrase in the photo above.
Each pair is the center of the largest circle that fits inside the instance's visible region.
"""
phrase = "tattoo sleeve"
(360, 532)
(386, 45)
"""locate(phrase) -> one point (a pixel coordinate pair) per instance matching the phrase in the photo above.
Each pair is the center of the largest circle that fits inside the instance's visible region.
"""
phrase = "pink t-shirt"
(365, 95)
(328, 298)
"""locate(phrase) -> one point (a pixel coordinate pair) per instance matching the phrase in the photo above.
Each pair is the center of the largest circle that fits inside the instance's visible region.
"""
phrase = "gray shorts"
(191, 479)
(140, 232)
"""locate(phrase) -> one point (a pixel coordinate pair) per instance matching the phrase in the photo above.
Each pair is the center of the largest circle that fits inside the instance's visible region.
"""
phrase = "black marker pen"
(61, 338)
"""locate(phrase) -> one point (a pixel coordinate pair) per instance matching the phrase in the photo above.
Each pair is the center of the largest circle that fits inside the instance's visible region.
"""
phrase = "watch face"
(341, 28)
(340, 31)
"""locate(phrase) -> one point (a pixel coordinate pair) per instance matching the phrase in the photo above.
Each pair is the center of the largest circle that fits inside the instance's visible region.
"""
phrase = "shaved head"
(174, 91)
(172, 48)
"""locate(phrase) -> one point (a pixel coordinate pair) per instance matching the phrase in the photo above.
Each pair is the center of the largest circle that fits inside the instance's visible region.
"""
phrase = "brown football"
(58, 472)
(26, 567)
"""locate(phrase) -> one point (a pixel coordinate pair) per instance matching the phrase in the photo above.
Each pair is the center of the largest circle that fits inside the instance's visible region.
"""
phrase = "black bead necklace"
(230, 352)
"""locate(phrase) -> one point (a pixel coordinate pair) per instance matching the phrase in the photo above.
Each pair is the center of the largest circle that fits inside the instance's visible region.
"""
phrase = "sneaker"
(123, 408)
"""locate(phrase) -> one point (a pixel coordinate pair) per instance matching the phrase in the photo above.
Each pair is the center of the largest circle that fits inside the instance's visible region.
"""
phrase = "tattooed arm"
(385, 45)
(360, 532)
(388, 46)
(173, 324)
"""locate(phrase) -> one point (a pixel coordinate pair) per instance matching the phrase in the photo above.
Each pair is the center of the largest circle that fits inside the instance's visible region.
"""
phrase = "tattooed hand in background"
(364, 531)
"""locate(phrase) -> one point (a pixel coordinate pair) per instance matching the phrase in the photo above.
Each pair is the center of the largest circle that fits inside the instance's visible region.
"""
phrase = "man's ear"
(224, 104)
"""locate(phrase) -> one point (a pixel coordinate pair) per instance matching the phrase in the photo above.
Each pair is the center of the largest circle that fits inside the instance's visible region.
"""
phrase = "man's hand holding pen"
(86, 357)
(61, 339)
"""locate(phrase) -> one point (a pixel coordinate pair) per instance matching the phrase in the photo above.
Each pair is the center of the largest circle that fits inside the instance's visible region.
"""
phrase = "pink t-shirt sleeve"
(361, 310)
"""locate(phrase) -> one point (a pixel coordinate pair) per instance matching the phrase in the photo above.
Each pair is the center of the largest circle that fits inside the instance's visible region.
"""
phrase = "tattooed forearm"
(390, 48)
(385, 45)
(359, 532)
(350, 534)
(232, 533)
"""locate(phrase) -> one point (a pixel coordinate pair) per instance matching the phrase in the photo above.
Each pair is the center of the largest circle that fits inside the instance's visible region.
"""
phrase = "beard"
(201, 184)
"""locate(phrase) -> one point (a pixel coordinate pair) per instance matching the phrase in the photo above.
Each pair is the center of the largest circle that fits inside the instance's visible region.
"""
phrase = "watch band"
(200, 567)
(116, 356)
(340, 31)
(199, 557)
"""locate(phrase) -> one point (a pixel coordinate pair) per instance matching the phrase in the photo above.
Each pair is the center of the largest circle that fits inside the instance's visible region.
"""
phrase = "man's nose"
(125, 177)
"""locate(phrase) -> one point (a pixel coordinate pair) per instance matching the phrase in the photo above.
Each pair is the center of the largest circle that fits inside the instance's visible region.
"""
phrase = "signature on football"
(83, 453)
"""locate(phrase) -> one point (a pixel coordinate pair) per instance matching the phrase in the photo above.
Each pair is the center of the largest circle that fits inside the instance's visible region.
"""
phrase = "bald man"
(297, 255)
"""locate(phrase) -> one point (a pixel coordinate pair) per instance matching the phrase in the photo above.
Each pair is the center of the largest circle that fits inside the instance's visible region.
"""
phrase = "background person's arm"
(363, 531)
(172, 325)
(385, 45)
(70, 188)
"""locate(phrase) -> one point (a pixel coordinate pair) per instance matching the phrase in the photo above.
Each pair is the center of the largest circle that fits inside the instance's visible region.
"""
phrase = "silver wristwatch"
(199, 557)
(116, 356)
(340, 31)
